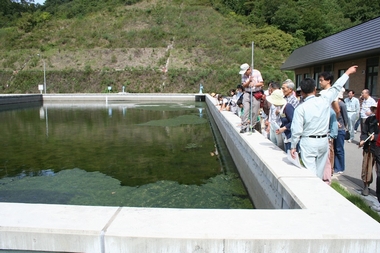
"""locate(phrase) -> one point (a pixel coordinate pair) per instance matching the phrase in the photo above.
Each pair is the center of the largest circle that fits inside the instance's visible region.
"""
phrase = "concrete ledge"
(6, 99)
(114, 97)
(53, 227)
(297, 213)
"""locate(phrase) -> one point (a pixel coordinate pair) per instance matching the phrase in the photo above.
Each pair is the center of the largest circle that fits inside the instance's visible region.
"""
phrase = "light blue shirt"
(352, 105)
(333, 126)
(313, 115)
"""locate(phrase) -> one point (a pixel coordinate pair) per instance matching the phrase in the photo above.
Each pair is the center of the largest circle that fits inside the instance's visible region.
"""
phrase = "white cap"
(243, 68)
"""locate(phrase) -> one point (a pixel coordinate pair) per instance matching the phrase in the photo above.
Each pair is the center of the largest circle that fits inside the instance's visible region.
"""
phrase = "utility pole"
(44, 74)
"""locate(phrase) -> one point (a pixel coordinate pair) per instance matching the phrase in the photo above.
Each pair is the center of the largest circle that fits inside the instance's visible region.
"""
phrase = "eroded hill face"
(152, 46)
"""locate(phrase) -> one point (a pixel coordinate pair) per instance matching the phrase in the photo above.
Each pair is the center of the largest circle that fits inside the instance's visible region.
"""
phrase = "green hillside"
(148, 46)
(129, 45)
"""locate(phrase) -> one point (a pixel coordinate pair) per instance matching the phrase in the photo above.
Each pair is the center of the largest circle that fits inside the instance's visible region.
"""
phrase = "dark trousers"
(339, 160)
(358, 122)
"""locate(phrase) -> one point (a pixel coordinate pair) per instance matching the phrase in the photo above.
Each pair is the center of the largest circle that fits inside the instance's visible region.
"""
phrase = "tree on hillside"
(11, 10)
(359, 11)
(310, 19)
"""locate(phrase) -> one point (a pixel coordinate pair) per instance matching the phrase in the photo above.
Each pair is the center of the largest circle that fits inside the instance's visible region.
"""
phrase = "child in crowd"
(232, 106)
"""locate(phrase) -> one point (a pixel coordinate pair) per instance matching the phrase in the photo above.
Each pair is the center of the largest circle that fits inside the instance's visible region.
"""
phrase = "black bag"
(347, 136)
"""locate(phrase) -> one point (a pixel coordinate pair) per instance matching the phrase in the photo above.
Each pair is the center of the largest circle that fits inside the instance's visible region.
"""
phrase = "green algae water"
(138, 155)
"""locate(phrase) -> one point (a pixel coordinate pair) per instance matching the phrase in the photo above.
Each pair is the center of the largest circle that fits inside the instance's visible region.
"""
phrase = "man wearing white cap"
(252, 81)
(310, 123)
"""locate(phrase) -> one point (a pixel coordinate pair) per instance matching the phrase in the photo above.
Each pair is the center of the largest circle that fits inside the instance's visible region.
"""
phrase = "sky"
(39, 2)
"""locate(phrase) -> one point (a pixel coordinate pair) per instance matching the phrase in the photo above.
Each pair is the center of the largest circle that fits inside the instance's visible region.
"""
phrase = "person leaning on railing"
(252, 82)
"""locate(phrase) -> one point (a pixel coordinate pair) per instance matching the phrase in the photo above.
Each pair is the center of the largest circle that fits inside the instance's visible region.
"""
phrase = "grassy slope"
(130, 45)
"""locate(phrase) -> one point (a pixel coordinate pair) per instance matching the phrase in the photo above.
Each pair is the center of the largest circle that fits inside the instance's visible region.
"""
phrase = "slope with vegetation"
(155, 46)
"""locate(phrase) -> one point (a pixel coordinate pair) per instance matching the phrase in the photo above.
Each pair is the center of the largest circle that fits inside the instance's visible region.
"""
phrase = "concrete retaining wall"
(118, 97)
(308, 215)
(19, 99)
(260, 163)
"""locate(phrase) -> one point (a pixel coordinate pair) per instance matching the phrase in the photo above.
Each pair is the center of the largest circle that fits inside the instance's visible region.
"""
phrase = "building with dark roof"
(358, 45)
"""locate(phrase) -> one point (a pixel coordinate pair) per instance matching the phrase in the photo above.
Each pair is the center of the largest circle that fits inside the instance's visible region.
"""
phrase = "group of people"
(363, 112)
(310, 125)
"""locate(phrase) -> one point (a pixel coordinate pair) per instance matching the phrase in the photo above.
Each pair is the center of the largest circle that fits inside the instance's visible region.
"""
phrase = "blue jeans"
(357, 124)
(287, 146)
(339, 151)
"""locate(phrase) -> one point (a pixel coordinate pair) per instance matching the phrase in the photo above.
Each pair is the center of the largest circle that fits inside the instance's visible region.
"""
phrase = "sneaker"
(243, 130)
(365, 191)
(340, 172)
(355, 131)
(349, 141)
(376, 208)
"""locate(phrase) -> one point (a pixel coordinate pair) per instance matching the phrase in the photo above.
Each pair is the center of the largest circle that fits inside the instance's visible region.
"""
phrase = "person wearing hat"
(214, 99)
(368, 139)
(252, 82)
(274, 120)
(286, 115)
(310, 123)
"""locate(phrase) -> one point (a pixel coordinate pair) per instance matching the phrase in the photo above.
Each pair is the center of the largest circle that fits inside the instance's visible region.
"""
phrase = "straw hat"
(276, 98)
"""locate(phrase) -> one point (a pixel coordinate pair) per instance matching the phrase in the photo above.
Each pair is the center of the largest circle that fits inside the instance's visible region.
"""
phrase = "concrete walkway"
(351, 178)
(297, 213)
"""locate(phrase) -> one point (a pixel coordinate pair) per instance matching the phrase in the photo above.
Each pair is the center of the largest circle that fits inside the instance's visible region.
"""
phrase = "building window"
(347, 84)
(328, 68)
(372, 73)
(306, 75)
(298, 80)
(317, 71)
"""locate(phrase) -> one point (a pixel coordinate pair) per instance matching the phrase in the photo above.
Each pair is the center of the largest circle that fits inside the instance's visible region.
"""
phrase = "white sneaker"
(349, 141)
(355, 131)
(376, 208)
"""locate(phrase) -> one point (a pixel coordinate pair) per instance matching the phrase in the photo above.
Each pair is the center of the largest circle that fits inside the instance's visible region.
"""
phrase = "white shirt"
(256, 78)
(273, 118)
(366, 107)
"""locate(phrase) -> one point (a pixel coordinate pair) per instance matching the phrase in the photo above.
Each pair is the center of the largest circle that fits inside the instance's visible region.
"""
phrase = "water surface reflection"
(144, 154)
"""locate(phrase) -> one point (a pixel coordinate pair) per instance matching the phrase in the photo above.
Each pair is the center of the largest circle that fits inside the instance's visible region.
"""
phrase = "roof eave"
(353, 56)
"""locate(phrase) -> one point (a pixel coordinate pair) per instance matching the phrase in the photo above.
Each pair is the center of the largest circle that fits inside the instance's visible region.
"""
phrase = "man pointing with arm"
(311, 122)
